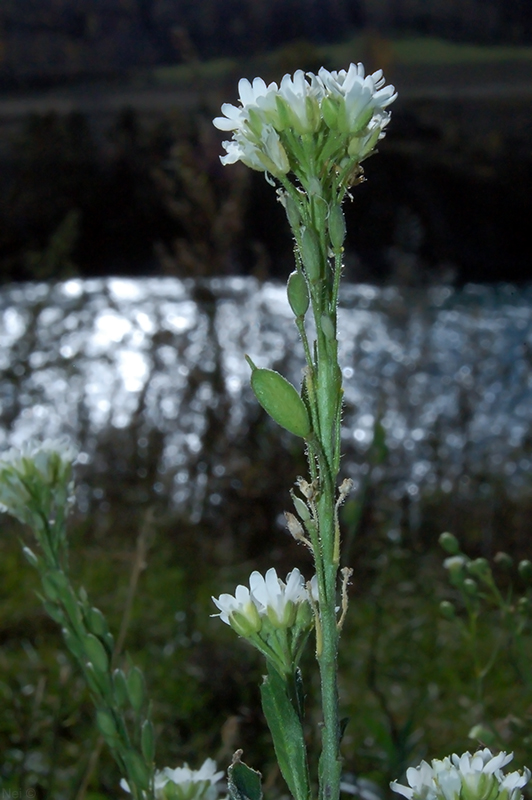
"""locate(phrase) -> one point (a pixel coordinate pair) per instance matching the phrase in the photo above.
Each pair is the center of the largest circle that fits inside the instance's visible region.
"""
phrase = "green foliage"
(243, 782)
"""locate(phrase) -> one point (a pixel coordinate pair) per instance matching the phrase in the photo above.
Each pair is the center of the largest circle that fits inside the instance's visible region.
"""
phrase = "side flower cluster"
(274, 615)
(183, 783)
(36, 479)
(308, 122)
(466, 777)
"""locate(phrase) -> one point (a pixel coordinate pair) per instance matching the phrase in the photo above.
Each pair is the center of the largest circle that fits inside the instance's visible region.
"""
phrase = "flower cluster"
(184, 783)
(273, 614)
(466, 777)
(36, 479)
(308, 122)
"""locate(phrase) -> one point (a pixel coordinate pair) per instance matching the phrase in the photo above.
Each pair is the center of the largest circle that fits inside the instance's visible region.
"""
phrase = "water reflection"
(449, 372)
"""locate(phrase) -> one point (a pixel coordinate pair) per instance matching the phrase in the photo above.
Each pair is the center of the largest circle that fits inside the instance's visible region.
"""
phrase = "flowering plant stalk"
(310, 135)
(36, 487)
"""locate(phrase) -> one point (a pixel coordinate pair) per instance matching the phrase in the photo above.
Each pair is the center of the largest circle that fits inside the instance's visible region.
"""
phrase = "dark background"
(109, 165)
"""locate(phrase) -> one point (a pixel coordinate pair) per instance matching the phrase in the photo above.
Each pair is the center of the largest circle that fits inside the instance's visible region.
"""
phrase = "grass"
(408, 51)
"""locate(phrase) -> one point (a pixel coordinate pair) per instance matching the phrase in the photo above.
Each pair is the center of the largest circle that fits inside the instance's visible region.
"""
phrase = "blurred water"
(450, 373)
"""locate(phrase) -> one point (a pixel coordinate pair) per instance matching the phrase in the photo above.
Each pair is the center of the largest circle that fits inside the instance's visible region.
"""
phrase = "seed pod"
(292, 212)
(297, 291)
(301, 507)
(96, 622)
(95, 652)
(337, 227)
(311, 254)
(120, 688)
(327, 327)
(106, 724)
(135, 688)
(137, 768)
(147, 741)
(280, 400)
(73, 644)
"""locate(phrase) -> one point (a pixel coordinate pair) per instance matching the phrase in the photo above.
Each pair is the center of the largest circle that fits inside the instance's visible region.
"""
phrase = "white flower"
(239, 611)
(357, 89)
(277, 599)
(301, 99)
(184, 783)
(267, 597)
(250, 94)
(336, 105)
(466, 777)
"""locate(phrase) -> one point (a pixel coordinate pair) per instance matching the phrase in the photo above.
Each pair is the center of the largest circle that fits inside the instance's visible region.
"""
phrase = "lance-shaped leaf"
(287, 733)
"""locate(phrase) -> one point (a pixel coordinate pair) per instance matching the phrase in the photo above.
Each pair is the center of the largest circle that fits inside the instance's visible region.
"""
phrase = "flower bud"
(447, 610)
(297, 291)
(503, 560)
(337, 227)
(470, 587)
(525, 570)
(449, 542)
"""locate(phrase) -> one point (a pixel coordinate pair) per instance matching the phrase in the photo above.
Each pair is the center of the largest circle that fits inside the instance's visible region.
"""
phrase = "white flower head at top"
(183, 783)
(318, 120)
(466, 777)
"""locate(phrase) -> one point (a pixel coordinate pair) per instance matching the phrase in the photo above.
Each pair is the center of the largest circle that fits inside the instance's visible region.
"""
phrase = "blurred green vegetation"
(300, 54)
(407, 681)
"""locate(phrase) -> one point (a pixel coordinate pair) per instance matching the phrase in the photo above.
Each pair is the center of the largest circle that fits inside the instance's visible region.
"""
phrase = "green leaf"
(243, 782)
(287, 733)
